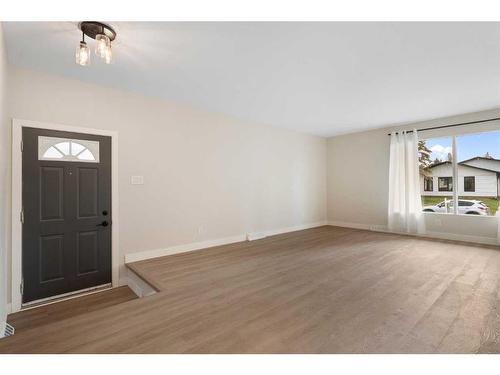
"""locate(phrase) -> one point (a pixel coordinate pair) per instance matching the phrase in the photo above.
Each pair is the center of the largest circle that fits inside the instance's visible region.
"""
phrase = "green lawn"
(491, 202)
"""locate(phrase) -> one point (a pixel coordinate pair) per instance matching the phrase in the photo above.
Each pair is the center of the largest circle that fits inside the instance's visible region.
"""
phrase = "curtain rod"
(452, 125)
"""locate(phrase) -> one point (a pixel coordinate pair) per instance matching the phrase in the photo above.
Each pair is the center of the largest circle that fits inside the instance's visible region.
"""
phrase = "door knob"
(103, 224)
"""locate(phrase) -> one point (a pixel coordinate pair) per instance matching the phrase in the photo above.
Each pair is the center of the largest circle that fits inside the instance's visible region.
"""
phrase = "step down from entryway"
(55, 312)
(138, 283)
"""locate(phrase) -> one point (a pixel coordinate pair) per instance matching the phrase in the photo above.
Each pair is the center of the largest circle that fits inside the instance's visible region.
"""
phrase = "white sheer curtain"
(405, 205)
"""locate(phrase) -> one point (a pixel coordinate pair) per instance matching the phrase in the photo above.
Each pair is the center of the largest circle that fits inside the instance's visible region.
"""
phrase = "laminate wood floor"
(322, 290)
(55, 312)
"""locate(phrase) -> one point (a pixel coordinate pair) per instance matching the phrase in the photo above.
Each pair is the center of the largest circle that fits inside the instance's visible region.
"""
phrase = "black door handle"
(103, 224)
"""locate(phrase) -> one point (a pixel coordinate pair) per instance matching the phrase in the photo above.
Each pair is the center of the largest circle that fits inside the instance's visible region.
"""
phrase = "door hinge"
(21, 286)
(21, 216)
(22, 145)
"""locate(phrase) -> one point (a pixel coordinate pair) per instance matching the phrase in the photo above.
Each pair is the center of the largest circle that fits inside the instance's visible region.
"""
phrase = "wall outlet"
(202, 230)
(137, 180)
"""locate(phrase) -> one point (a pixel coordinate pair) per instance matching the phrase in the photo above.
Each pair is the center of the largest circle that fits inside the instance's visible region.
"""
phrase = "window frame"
(473, 184)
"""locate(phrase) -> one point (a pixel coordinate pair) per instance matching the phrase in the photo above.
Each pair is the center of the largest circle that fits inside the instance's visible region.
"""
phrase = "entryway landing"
(39, 316)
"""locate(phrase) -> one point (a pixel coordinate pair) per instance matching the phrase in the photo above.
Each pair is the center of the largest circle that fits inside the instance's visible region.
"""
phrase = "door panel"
(51, 191)
(88, 192)
(51, 258)
(66, 197)
(88, 250)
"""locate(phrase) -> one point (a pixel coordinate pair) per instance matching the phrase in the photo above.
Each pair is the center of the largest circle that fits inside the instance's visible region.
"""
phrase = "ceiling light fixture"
(103, 35)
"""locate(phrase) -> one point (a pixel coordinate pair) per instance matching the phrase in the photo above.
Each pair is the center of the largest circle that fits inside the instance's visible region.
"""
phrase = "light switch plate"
(137, 180)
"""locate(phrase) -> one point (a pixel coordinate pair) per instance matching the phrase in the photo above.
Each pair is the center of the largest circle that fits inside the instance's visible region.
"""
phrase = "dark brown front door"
(67, 212)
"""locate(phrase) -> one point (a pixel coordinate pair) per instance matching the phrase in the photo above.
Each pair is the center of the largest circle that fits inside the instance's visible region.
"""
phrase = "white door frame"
(17, 179)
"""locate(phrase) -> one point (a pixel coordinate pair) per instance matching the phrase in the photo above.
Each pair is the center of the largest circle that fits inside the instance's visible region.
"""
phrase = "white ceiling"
(320, 78)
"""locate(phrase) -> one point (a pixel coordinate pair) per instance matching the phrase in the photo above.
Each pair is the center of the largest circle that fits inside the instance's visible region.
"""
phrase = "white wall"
(207, 176)
(4, 180)
(358, 173)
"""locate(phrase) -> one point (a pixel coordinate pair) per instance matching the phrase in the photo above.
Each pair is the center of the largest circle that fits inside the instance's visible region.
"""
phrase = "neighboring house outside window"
(470, 183)
(445, 183)
(428, 184)
(477, 177)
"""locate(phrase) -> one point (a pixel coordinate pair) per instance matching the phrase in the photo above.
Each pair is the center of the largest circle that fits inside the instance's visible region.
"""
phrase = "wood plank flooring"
(322, 290)
(39, 316)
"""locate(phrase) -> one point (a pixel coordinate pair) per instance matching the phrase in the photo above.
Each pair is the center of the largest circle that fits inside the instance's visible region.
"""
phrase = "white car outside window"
(467, 207)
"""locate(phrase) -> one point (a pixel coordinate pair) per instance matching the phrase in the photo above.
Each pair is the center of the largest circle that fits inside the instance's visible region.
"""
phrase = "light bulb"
(102, 43)
(82, 54)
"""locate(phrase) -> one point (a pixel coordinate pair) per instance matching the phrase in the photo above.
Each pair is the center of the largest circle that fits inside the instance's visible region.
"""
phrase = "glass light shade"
(108, 55)
(82, 54)
(102, 44)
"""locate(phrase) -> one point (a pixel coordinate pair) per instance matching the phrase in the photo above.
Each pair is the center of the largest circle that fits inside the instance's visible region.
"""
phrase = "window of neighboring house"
(470, 183)
(428, 184)
(445, 183)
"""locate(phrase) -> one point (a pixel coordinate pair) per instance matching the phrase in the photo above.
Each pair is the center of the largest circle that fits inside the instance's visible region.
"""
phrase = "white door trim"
(17, 136)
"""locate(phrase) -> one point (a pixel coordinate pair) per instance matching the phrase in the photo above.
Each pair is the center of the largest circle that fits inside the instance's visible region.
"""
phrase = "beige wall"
(4, 179)
(206, 176)
(358, 171)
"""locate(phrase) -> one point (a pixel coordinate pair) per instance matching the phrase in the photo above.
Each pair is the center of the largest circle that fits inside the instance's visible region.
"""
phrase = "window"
(445, 183)
(435, 162)
(63, 149)
(473, 161)
(428, 184)
(470, 183)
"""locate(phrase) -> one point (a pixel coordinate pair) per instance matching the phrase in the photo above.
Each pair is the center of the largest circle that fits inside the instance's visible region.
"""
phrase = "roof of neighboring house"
(479, 157)
(466, 165)
(440, 163)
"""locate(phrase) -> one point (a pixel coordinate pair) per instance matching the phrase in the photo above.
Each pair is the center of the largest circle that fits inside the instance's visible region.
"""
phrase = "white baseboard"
(346, 224)
(460, 237)
(150, 254)
(8, 308)
(256, 236)
(259, 235)
(436, 235)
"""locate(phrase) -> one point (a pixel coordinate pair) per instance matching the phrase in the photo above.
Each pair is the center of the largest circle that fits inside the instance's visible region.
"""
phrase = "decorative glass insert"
(65, 149)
